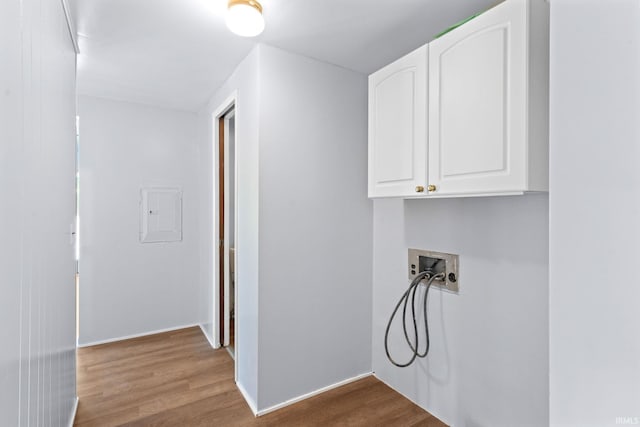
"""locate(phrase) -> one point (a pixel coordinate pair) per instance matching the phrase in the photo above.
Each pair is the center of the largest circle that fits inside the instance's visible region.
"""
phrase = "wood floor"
(177, 379)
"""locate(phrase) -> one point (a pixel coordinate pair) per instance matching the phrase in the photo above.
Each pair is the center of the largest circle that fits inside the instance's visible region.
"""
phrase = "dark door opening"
(226, 229)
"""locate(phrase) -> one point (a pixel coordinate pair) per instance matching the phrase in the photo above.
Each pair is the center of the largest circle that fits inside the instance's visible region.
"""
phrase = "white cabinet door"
(398, 126)
(478, 104)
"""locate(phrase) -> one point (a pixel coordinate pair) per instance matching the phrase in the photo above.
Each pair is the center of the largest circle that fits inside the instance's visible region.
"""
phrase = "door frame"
(219, 316)
(227, 211)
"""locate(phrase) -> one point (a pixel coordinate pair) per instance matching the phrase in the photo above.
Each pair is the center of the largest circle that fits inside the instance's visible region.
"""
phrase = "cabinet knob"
(419, 189)
(431, 188)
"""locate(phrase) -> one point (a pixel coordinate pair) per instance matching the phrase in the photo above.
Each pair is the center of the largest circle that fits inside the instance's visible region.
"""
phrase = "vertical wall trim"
(70, 25)
(230, 101)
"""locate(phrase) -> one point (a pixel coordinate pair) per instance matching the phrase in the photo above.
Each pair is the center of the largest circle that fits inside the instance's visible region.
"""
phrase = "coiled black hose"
(411, 291)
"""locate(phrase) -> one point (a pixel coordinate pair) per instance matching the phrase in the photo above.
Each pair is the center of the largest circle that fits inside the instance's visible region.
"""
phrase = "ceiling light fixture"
(244, 17)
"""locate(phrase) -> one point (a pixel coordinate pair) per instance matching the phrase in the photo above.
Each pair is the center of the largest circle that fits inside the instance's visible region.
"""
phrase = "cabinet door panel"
(394, 125)
(477, 100)
(477, 81)
(397, 126)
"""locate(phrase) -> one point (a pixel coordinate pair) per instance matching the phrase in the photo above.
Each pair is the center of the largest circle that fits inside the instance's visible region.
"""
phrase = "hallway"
(175, 378)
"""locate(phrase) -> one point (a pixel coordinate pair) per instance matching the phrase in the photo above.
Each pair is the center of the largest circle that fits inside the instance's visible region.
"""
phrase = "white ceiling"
(176, 53)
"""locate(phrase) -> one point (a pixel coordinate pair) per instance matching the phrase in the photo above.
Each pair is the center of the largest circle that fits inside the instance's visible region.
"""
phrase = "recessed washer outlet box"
(438, 262)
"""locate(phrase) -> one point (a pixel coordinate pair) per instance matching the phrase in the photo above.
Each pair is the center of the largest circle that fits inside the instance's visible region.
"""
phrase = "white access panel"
(160, 215)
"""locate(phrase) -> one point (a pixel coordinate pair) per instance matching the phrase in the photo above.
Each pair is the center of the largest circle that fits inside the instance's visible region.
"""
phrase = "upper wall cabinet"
(398, 127)
(487, 107)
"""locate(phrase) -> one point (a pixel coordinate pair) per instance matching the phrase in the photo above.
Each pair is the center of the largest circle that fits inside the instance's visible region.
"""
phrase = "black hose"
(411, 291)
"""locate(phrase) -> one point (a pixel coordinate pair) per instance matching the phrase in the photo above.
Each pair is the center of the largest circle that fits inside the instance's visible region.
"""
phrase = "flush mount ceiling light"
(244, 17)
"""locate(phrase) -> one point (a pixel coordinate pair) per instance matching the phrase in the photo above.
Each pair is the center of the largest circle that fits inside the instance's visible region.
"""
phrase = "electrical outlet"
(438, 262)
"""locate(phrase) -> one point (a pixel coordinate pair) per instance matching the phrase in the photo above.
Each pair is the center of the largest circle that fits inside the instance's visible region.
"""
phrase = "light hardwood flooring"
(177, 379)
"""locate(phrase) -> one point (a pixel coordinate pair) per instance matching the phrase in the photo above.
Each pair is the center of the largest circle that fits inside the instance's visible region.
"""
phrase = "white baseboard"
(313, 393)
(143, 334)
(74, 411)
(204, 332)
(249, 400)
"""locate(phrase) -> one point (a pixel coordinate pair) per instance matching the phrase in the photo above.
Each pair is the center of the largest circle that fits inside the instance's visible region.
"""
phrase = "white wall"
(244, 81)
(488, 363)
(315, 227)
(594, 211)
(126, 287)
(304, 224)
(37, 140)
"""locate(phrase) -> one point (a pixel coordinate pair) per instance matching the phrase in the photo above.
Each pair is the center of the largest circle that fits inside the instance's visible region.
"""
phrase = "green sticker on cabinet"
(456, 25)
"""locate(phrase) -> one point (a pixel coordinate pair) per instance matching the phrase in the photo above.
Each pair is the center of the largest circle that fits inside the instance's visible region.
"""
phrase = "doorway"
(226, 227)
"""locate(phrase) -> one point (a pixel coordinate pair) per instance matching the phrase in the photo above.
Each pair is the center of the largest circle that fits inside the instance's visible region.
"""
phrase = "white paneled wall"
(37, 164)
(11, 160)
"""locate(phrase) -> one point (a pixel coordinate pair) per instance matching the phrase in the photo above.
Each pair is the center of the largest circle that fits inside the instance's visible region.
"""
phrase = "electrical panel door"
(161, 215)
